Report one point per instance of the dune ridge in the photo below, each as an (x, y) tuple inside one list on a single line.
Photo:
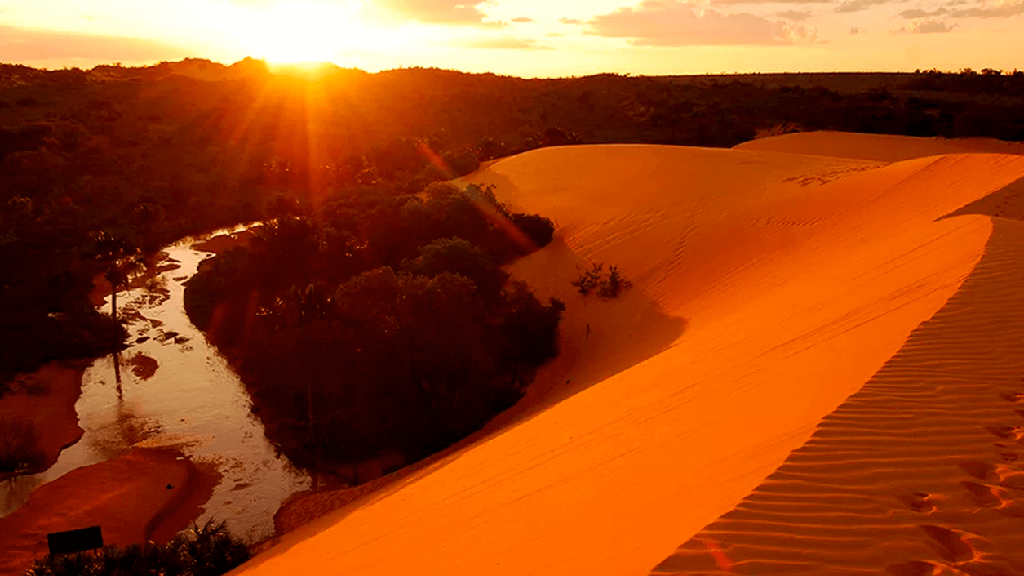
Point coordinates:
[(878, 147), (919, 472), (777, 285)]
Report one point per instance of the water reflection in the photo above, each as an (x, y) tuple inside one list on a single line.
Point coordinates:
[(172, 388)]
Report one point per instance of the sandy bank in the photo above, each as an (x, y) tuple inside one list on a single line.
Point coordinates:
[(46, 399), (768, 288), (146, 494), (224, 242)]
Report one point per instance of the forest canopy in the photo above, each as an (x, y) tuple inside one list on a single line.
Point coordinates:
[(380, 324), (149, 155)]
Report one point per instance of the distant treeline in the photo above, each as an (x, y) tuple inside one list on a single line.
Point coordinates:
[(382, 323), (147, 155)]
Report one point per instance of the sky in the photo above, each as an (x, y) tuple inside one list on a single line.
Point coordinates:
[(528, 38)]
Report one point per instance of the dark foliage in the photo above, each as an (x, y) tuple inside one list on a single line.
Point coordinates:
[(208, 550), (156, 153), (589, 280), (18, 445), (460, 257), (614, 284), (538, 229), (381, 323), (606, 285)]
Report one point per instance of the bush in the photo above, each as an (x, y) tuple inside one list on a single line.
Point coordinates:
[(538, 229), (614, 284), (208, 550), (589, 280), (18, 448), (608, 285)]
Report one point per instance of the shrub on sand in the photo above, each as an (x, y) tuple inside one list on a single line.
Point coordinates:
[(608, 285), (614, 284)]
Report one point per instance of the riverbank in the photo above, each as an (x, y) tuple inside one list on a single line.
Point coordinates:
[(223, 242), (148, 494), (45, 401)]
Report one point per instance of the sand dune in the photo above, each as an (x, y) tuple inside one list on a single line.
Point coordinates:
[(769, 287), (878, 147), (919, 471)]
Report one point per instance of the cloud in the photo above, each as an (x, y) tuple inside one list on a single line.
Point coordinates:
[(926, 27), (570, 21), (793, 15), (453, 12), (523, 20), (26, 45), (849, 6), (920, 13), (505, 44), (675, 23), (991, 10)]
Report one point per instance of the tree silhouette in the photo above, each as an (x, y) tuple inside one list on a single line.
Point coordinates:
[(120, 259)]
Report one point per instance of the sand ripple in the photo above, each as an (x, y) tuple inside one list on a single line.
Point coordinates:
[(920, 472)]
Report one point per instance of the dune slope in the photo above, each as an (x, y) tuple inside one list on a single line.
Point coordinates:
[(768, 288), (878, 147), (917, 473)]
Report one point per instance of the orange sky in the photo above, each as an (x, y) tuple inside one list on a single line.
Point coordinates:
[(525, 37)]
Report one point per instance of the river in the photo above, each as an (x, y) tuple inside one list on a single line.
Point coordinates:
[(171, 387)]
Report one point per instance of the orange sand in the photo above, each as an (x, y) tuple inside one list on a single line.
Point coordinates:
[(128, 498), (918, 472), (47, 399), (769, 287), (882, 147)]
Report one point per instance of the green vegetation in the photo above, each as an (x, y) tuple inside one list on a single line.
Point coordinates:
[(208, 550), (18, 445), (606, 284), (149, 155), (380, 323)]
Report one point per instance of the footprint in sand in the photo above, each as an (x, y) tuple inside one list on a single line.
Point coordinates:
[(1014, 433), (922, 502), (1015, 397), (916, 568), (980, 470), (1001, 474), (984, 495), (952, 545), (990, 496)]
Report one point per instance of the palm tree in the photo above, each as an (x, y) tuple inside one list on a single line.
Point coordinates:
[(121, 259)]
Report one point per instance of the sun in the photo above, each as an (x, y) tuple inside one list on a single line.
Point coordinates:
[(291, 33)]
